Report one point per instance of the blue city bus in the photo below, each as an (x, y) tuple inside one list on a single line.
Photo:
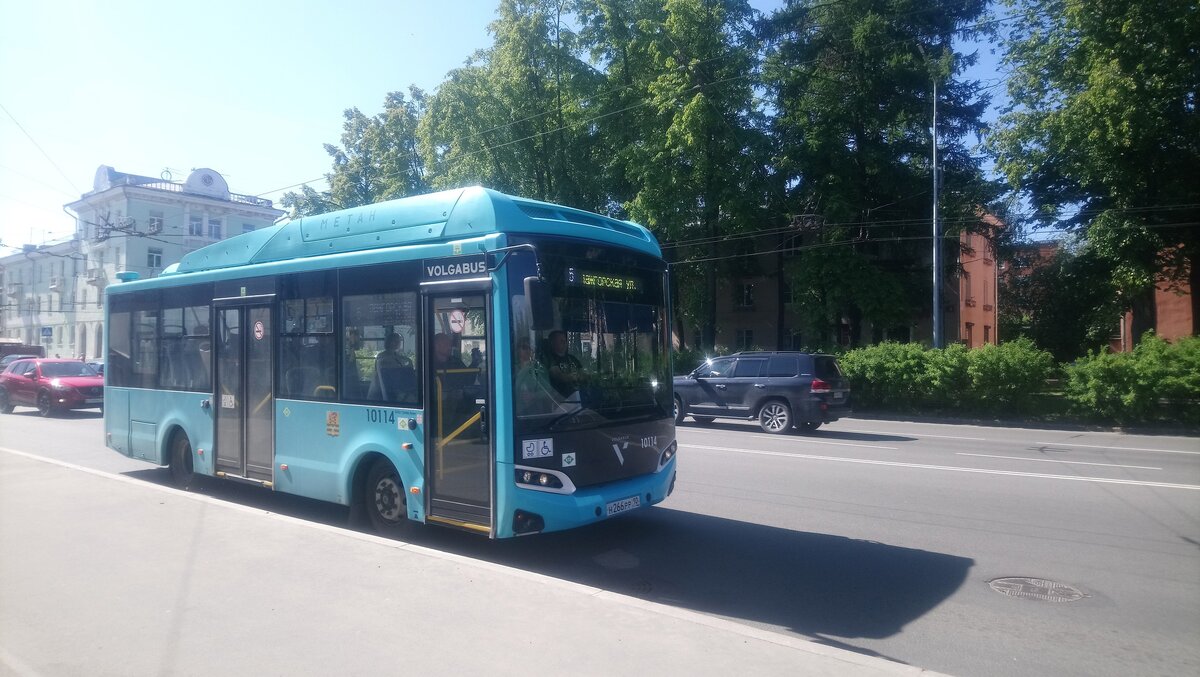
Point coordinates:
[(465, 358)]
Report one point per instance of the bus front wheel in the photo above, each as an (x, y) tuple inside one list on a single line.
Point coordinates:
[(384, 499)]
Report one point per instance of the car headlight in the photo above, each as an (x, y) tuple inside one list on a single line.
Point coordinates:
[(59, 385)]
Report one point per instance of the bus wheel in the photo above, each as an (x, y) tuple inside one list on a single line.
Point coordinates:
[(384, 499), (182, 472), (679, 411)]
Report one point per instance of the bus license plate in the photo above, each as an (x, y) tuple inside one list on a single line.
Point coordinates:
[(623, 505)]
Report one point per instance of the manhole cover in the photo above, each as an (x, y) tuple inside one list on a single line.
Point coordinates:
[(1036, 588)]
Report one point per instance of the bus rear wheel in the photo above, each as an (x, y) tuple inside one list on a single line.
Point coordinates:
[(384, 499), (183, 473)]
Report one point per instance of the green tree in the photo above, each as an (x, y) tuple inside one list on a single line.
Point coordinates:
[(514, 118), (1103, 136), (1066, 304), (852, 84), (377, 159), (679, 113)]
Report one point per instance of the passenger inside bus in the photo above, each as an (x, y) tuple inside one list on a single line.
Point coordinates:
[(395, 379)]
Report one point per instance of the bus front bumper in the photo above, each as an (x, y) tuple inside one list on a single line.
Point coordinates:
[(532, 511)]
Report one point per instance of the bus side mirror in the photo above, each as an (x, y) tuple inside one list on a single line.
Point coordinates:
[(541, 305)]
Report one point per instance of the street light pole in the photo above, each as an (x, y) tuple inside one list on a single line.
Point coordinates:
[(937, 236)]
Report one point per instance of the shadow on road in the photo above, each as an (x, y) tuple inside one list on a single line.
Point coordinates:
[(816, 585)]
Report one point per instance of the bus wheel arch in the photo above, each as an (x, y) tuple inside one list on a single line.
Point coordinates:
[(180, 459)]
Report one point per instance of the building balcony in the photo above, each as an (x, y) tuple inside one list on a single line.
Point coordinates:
[(14, 289), (969, 302), (57, 284), (988, 307), (95, 276)]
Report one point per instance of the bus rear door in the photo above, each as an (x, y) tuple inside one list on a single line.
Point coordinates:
[(244, 391)]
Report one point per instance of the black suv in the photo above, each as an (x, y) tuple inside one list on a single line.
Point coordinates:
[(781, 389)]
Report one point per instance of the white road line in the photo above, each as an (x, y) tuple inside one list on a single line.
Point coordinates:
[(1011, 473), (891, 432), (807, 440), (1059, 460), (1105, 446)]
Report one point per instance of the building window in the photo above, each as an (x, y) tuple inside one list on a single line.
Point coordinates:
[(247, 227), (788, 295), (154, 259), (744, 297), (987, 333), (155, 223), (214, 229), (970, 330), (744, 339), (791, 246), (196, 226), (793, 339)]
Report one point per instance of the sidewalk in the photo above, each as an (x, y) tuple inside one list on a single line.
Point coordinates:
[(105, 575)]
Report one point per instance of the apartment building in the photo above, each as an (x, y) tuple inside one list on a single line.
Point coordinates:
[(53, 293)]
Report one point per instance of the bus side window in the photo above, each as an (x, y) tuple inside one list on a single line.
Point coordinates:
[(379, 346)]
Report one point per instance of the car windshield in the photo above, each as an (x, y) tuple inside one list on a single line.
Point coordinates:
[(62, 369)]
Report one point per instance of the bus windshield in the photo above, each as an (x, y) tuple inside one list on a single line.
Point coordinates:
[(597, 354)]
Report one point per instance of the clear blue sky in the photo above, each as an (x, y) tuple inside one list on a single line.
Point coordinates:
[(250, 89)]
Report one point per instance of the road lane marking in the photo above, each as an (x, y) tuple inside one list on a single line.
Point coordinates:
[(814, 441), (890, 432), (1056, 460), (1105, 446), (922, 466)]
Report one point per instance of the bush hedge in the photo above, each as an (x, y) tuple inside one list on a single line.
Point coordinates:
[(1158, 381), (992, 380)]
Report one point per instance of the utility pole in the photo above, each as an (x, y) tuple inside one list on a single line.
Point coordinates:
[(937, 235)]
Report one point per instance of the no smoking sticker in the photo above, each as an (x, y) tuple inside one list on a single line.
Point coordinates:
[(259, 331), (458, 319)]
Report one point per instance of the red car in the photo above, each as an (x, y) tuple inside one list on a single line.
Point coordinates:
[(50, 385)]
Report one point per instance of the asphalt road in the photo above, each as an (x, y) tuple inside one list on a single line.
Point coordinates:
[(883, 537)]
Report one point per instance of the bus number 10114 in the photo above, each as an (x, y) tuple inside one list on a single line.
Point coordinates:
[(381, 416)]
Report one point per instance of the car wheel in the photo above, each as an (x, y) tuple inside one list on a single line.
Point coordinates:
[(6, 406), (183, 473), (679, 411), (775, 417), (384, 499), (810, 426), (43, 405), (702, 420)]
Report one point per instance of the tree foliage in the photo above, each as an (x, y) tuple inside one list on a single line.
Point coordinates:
[(1103, 133), (852, 84)]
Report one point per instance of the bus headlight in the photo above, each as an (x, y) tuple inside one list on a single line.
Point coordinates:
[(539, 479)]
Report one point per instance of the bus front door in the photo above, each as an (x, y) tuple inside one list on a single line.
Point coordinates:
[(459, 451), (244, 393)]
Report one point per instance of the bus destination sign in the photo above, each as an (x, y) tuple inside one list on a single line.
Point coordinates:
[(582, 278)]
